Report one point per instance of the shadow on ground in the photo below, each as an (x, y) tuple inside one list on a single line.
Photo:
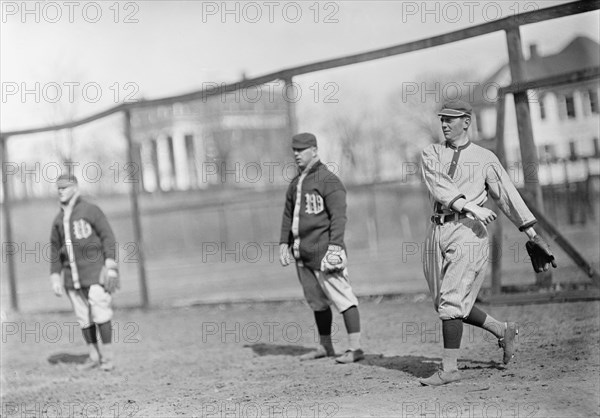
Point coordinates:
[(466, 364), (417, 366), (67, 358), (263, 349)]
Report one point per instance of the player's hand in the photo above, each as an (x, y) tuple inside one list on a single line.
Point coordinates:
[(109, 278), (482, 214), (334, 260), (57, 284), (285, 257), (541, 255)]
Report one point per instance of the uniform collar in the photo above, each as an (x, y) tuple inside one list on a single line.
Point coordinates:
[(74, 200), (460, 148), (312, 164)]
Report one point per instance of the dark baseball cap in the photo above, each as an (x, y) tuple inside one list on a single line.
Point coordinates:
[(66, 180), (456, 109), (304, 140)]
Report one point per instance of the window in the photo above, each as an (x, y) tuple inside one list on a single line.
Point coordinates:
[(572, 150), (570, 106), (593, 96), (542, 108), (549, 153), (596, 147)]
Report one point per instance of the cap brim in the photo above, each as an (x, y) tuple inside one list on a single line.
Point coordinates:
[(452, 113), (65, 183)]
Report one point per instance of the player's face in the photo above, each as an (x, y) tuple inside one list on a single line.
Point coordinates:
[(454, 128), (304, 156), (65, 193)]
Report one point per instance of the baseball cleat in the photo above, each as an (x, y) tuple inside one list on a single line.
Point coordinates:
[(316, 354), (350, 356), (441, 378), (507, 343), (107, 365), (89, 364)]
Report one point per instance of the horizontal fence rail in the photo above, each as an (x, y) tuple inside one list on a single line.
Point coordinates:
[(506, 23)]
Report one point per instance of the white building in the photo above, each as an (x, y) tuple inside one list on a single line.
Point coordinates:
[(564, 118)]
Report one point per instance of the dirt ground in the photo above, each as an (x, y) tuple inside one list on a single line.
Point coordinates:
[(241, 360)]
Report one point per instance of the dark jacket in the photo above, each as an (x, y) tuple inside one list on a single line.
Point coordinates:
[(93, 242), (322, 214)]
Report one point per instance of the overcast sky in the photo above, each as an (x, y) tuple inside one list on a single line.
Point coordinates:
[(163, 48)]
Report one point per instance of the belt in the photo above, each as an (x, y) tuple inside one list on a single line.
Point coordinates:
[(441, 219)]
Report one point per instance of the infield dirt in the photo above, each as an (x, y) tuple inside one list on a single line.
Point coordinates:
[(241, 360)]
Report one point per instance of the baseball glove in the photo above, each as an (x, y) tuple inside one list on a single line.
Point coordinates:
[(334, 260), (109, 277), (540, 254)]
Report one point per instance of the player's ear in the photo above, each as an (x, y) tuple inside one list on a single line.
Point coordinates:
[(466, 122)]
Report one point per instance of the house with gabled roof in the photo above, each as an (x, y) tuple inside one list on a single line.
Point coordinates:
[(565, 118)]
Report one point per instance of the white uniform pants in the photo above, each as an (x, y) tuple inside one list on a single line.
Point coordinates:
[(95, 308), (454, 258)]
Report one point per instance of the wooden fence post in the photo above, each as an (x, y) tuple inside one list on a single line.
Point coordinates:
[(137, 224), (7, 225)]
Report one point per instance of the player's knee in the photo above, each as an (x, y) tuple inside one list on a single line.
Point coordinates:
[(318, 305), (348, 308)]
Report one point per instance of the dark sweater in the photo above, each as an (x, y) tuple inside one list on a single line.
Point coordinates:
[(93, 242), (322, 214)]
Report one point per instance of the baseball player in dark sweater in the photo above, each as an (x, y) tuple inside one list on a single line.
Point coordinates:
[(312, 234), (83, 264)]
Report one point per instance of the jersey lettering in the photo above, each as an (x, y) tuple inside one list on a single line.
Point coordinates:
[(82, 229), (314, 203)]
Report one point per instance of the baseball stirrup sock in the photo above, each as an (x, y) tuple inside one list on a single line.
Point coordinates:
[(494, 326), (324, 320), (325, 341), (352, 320), (105, 332), (476, 317), (89, 334), (480, 319), (452, 330)]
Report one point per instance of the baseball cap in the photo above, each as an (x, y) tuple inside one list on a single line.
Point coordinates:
[(66, 180), (304, 140), (455, 109)]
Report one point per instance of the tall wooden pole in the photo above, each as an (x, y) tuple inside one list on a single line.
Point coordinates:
[(7, 226), (529, 155), (496, 247), (137, 224), (290, 99)]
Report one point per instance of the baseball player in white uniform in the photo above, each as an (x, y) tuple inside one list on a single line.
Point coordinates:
[(460, 176)]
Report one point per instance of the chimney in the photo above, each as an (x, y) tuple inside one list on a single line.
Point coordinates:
[(533, 52)]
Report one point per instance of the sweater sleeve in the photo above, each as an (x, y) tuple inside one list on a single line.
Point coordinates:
[(286, 223), (440, 184), (55, 246), (335, 202), (105, 233), (506, 195)]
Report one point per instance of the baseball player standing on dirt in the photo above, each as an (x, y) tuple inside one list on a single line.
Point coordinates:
[(460, 175), (312, 234), (83, 264)]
